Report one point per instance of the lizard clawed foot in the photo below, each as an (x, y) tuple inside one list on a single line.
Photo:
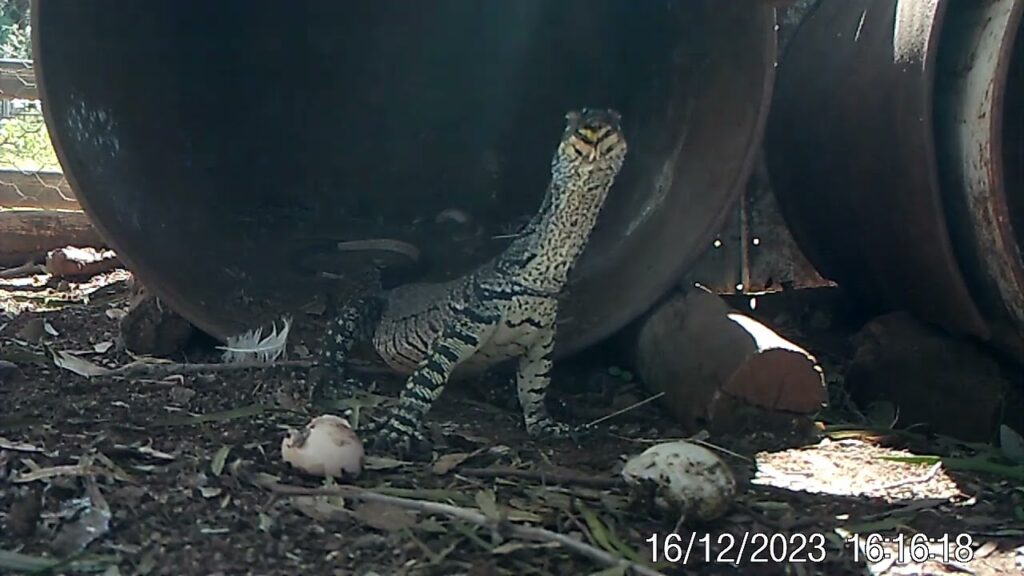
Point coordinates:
[(549, 428), (395, 438)]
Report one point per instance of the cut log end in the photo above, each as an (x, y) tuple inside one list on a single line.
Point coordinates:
[(710, 361)]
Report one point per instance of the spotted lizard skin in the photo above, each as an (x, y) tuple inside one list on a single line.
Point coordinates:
[(504, 310)]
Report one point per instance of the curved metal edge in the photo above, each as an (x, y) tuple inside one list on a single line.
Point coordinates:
[(852, 157), (620, 316), (917, 40), (35, 10), (753, 147), (979, 60), (182, 306)]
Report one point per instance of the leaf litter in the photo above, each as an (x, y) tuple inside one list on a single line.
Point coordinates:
[(176, 478)]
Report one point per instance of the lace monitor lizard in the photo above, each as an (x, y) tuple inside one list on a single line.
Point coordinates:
[(503, 310)]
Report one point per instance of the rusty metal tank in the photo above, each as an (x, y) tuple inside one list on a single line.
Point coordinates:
[(226, 148), (894, 147)]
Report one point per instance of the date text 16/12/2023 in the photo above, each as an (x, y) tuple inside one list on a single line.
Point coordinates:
[(726, 548), (760, 548)]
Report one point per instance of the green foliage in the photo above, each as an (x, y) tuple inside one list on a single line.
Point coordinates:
[(24, 141), (25, 144), (15, 36)]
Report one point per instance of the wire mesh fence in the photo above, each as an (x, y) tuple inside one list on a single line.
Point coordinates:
[(30, 175)]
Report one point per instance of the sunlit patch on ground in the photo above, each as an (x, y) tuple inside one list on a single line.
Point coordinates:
[(187, 443), (855, 468), (914, 487)]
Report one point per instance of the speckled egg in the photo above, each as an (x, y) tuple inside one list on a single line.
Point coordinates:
[(682, 478)]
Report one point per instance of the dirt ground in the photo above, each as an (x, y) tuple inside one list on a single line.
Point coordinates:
[(173, 459)]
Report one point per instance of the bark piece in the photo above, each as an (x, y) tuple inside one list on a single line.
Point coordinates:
[(70, 262), (712, 361)]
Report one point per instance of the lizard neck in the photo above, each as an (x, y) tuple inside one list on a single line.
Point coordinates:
[(559, 232)]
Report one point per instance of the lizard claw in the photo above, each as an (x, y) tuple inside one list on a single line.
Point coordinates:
[(550, 428)]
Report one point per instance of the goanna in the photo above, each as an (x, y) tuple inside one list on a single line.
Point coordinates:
[(503, 310)]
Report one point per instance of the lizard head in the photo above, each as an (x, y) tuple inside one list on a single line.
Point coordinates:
[(592, 138)]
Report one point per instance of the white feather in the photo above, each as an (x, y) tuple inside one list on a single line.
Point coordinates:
[(252, 346)]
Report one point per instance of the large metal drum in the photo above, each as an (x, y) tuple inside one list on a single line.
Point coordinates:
[(225, 148)]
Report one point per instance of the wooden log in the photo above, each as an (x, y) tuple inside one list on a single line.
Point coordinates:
[(711, 362), (36, 190), (29, 234)]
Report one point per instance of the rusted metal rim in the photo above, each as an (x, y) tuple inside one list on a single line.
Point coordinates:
[(216, 144), (850, 148), (971, 93)]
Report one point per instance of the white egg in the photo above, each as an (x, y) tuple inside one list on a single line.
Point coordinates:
[(682, 478), (327, 446)]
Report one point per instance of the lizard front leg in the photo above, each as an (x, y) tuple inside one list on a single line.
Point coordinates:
[(459, 341), (355, 323), (532, 380)]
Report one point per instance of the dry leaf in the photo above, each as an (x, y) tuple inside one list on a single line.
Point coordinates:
[(986, 549), (449, 462), (382, 463), (210, 491), (321, 508), (217, 465), (516, 545), (488, 504), (33, 330), (153, 453), (102, 347), (49, 329), (266, 522), (384, 517), (78, 365)]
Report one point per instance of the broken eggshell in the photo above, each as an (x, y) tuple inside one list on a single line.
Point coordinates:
[(327, 446), (682, 478)]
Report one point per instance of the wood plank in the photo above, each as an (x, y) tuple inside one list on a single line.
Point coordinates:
[(36, 190), (29, 234), (17, 80)]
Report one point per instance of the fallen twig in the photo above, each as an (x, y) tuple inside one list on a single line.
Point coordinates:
[(543, 476), (472, 516), (168, 368), (626, 409), (933, 471), (30, 269)]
